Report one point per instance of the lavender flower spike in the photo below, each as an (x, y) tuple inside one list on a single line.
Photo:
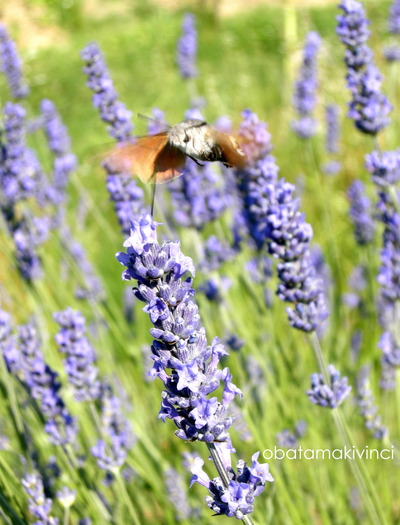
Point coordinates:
[(187, 47), (332, 395), (369, 108), (80, 357), (304, 98), (360, 213), (39, 505), (11, 64), (113, 112), (183, 360)]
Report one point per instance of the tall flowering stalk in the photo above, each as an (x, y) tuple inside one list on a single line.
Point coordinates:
[(11, 64), (369, 108), (123, 190), (188, 366), (304, 98)]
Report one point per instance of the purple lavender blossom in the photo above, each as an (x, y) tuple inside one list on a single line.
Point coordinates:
[(123, 190), (91, 288), (304, 98), (216, 252), (197, 196), (332, 128), (177, 494), (384, 167), (360, 213), (39, 505), (369, 108), (289, 238), (235, 500), (21, 178), (8, 346), (60, 145), (331, 395), (187, 47), (394, 18), (254, 180), (11, 64), (215, 288), (367, 407), (331, 167), (43, 385), (289, 439), (80, 356), (184, 362), (111, 451), (105, 98), (392, 53)]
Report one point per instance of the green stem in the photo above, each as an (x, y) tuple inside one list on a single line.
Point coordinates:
[(133, 517)]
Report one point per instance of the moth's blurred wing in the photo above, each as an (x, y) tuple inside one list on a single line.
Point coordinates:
[(168, 164), (139, 157), (231, 150)]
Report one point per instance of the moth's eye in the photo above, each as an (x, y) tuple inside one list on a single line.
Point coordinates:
[(186, 138)]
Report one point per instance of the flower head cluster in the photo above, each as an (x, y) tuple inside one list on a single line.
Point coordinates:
[(288, 237), (289, 439), (177, 494), (236, 500), (332, 125), (304, 98), (369, 108), (21, 178), (367, 407), (123, 190), (394, 18), (80, 356), (197, 196), (360, 213), (216, 252), (39, 505), (60, 144), (254, 180), (91, 287), (329, 395), (11, 64), (26, 361), (117, 436), (180, 344), (187, 47), (105, 98), (183, 360)]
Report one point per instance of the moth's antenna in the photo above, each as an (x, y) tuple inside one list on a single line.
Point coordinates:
[(150, 119)]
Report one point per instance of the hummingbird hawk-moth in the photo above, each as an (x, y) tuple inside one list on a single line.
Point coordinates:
[(159, 158)]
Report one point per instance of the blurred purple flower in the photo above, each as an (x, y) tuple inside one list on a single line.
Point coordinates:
[(369, 108), (39, 504), (331, 395), (80, 356), (117, 436), (60, 144), (392, 53), (105, 98), (187, 47), (394, 18), (367, 407), (304, 98), (360, 213), (332, 128), (11, 64)]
